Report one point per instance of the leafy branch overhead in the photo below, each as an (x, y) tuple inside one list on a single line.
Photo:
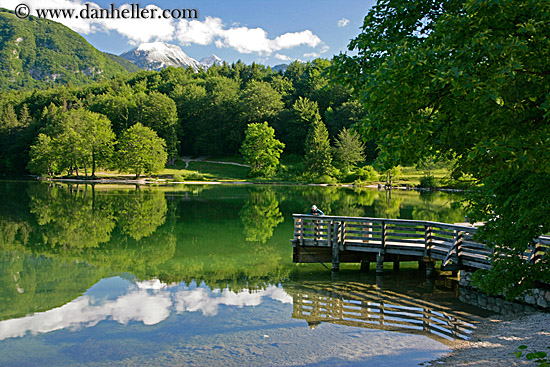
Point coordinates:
[(465, 80)]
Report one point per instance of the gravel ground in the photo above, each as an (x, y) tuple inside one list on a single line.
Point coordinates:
[(496, 338)]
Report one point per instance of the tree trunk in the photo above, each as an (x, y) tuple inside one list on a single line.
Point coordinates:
[(93, 164)]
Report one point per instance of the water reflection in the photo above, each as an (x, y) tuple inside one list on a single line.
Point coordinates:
[(74, 216), (369, 306), (260, 215), (189, 274), (149, 302)]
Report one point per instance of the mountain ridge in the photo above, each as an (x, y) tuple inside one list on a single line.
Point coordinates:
[(40, 53)]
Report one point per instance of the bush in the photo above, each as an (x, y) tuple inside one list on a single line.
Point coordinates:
[(396, 172), (178, 178), (428, 181), (326, 179), (195, 176), (367, 173)]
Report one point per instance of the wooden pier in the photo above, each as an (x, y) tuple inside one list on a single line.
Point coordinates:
[(337, 239)]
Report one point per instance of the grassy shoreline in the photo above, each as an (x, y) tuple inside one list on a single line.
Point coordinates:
[(228, 170)]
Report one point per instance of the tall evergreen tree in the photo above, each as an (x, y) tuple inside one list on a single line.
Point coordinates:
[(318, 158), (349, 149)]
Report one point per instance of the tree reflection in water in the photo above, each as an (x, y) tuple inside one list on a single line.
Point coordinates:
[(260, 215)]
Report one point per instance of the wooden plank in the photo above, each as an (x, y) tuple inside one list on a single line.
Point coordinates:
[(405, 228), (447, 233), (406, 235), (477, 245)]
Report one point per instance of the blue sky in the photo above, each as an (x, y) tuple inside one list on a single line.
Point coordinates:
[(266, 31)]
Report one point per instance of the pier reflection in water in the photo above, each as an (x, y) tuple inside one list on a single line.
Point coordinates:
[(371, 306)]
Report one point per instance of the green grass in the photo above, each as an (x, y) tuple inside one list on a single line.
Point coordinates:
[(209, 171), (411, 176), (206, 171), (216, 171)]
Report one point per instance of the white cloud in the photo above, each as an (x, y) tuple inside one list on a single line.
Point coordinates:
[(283, 57), (209, 31), (312, 54), (242, 39), (141, 30), (343, 22), (136, 30), (201, 33), (289, 40), (315, 54)]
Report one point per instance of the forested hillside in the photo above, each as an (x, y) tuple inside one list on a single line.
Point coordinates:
[(40, 53), (203, 113)]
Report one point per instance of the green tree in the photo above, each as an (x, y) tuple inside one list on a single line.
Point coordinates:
[(43, 156), (140, 150), (159, 112), (294, 128), (97, 138), (349, 149), (77, 138), (318, 158), (466, 80), (261, 150), (260, 101)]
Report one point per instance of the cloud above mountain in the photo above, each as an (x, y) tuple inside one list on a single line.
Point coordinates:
[(209, 31)]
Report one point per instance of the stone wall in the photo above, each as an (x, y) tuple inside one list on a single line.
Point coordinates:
[(536, 299)]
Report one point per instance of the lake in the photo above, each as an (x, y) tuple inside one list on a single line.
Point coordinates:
[(199, 275)]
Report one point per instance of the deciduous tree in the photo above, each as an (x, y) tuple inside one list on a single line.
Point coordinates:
[(261, 150), (140, 150), (466, 80)]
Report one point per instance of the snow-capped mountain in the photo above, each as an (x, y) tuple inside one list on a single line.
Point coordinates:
[(280, 68), (208, 61), (159, 55)]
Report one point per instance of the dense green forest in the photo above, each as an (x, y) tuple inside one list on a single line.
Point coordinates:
[(197, 114)]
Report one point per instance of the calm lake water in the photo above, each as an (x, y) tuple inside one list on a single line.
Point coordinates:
[(202, 275)]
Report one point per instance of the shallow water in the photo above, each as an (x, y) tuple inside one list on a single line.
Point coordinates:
[(203, 275)]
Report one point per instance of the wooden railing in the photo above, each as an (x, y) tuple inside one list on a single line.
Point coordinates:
[(450, 243), (368, 306)]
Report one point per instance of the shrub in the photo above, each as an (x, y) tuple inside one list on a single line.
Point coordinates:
[(428, 181), (195, 176), (367, 173), (325, 179), (178, 178)]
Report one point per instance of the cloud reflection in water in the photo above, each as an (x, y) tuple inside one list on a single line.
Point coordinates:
[(148, 302)]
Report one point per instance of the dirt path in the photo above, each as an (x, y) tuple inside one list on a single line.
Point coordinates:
[(203, 159), (496, 338)]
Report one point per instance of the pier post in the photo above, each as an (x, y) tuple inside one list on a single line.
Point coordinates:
[(382, 252), (396, 263), (336, 247), (365, 266), (380, 262), (430, 268)]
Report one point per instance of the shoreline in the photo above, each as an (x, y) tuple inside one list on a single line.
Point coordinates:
[(150, 181), (496, 338)]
